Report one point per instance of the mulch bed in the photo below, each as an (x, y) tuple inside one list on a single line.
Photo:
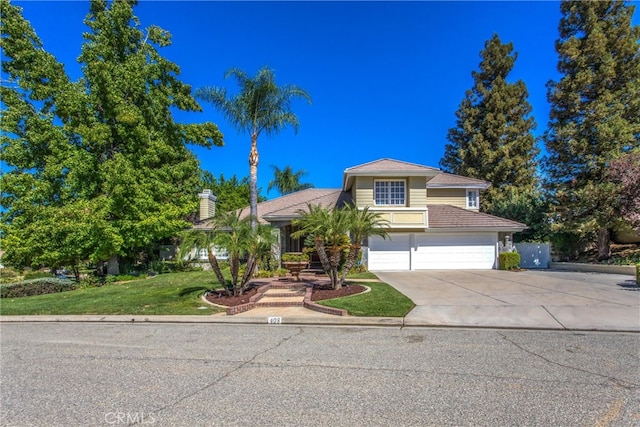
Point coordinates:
[(227, 301), (320, 292), (325, 292)]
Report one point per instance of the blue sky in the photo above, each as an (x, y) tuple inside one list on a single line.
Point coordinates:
[(385, 77)]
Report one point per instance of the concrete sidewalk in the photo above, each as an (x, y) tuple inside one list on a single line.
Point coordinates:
[(475, 298)]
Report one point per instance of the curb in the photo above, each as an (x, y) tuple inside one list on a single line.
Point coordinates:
[(293, 320), (212, 319)]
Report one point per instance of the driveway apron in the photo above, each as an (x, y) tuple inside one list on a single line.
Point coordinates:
[(539, 299)]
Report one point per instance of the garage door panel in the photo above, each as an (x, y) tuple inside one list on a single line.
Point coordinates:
[(424, 251), (468, 251), (390, 254)]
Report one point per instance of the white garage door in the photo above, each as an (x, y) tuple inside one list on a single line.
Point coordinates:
[(390, 254), (467, 251), (428, 251)]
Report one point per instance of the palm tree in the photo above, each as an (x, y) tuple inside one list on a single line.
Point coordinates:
[(260, 106), (287, 181), (362, 224), (193, 241), (241, 241), (336, 231)]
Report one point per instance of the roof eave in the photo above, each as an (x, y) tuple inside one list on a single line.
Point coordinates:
[(468, 228), (347, 180), (480, 186)]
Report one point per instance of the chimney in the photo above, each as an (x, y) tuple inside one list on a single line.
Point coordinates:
[(207, 204)]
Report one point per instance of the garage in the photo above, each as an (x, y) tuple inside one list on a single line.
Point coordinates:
[(446, 252), (390, 254), (428, 251)]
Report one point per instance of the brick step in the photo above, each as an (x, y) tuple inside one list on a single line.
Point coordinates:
[(283, 294), (264, 302)]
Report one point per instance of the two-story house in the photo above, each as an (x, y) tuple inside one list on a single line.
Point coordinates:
[(434, 218)]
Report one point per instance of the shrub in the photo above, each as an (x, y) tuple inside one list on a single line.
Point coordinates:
[(281, 272), (295, 257), (8, 275), (358, 269), (263, 274), (509, 260), (37, 274), (41, 286)]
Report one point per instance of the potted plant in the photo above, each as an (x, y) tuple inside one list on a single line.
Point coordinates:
[(295, 262)]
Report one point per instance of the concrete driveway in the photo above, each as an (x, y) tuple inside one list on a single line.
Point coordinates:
[(529, 299)]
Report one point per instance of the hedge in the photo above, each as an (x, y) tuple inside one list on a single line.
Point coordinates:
[(509, 260), (40, 286)]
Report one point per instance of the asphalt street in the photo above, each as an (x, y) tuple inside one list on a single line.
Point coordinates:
[(101, 374)]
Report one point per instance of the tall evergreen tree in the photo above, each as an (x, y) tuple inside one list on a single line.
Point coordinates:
[(594, 117), (492, 139), (97, 167)]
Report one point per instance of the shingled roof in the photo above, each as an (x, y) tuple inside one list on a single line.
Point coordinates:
[(285, 207), (444, 179), (386, 168), (389, 165), (447, 216)]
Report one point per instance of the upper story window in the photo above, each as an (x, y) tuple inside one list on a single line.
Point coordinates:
[(389, 193), (472, 199)]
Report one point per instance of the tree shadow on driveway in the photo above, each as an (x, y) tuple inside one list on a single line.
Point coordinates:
[(629, 285)]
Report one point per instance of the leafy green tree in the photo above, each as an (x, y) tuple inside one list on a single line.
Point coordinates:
[(527, 205), (335, 231), (624, 171), (594, 117), (106, 145), (287, 181), (260, 106), (493, 137), (231, 193)]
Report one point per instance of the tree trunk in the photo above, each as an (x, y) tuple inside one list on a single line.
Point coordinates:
[(248, 273), (334, 260), (354, 251), (604, 244), (234, 264), (213, 261), (253, 181), (322, 254)]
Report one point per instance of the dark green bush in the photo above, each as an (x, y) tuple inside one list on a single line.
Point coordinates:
[(42, 286), (28, 275), (509, 260)]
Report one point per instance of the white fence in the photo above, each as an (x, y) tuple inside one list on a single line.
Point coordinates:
[(534, 255)]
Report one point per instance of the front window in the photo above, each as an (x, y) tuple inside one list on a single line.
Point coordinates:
[(472, 199), (389, 193)]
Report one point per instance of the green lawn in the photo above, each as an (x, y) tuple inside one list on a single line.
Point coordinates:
[(383, 301), (177, 293), (365, 275)]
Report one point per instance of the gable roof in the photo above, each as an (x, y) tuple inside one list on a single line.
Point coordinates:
[(449, 180), (285, 207), (447, 216), (389, 165), (387, 168)]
